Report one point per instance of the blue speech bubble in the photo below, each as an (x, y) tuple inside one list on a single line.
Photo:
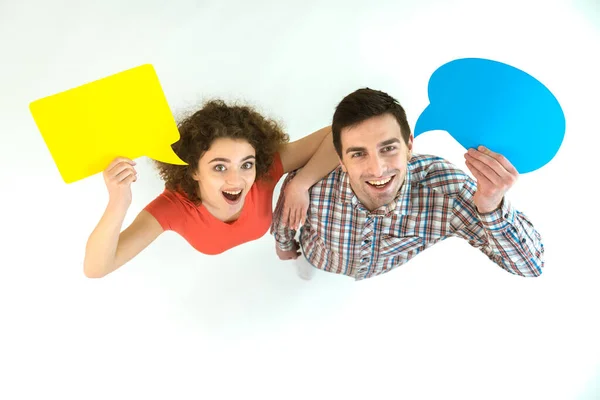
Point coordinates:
[(489, 103)]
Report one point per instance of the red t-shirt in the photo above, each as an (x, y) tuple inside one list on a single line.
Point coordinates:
[(209, 235)]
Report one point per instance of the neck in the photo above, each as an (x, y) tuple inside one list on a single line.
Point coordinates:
[(371, 207), (222, 215)]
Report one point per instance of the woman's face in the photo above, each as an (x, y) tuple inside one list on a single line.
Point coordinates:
[(225, 174)]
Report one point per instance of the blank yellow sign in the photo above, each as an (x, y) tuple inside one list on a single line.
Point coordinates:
[(125, 114)]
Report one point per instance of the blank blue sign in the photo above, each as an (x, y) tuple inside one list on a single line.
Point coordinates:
[(489, 103)]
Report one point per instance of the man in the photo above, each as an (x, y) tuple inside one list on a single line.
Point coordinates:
[(383, 205)]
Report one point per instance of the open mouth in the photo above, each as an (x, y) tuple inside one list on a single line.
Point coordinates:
[(232, 197), (382, 184)]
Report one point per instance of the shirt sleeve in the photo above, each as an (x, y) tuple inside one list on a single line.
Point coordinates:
[(284, 236), (505, 235), (166, 208)]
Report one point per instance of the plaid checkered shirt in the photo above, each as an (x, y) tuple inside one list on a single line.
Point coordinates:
[(435, 202)]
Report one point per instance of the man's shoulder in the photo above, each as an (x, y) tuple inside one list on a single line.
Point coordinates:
[(330, 181), (437, 173)]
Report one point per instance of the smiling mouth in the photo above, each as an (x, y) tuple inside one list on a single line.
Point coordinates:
[(382, 183), (232, 197)]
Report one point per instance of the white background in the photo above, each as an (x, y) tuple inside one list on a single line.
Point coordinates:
[(176, 324)]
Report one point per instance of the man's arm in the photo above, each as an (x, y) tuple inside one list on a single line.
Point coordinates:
[(505, 235)]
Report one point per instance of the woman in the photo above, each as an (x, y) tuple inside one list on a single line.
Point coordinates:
[(222, 198)]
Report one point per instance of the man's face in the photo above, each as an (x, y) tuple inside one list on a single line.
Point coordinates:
[(375, 157)]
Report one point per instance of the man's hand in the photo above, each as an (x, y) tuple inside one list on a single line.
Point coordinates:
[(290, 254), (495, 176), (295, 204)]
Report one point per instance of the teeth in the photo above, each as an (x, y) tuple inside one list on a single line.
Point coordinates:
[(379, 183), (232, 193)]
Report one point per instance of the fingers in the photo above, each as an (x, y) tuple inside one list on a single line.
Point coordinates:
[(295, 252), (286, 214), (300, 213), (495, 167), (119, 160), (497, 162), (293, 217), (290, 255), (120, 169), (296, 219), (303, 215), (129, 179), (292, 221), (501, 160), (488, 160), (493, 164), (121, 172), (481, 178), (483, 168)]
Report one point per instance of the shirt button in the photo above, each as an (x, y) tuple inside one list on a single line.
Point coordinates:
[(366, 241), (523, 240), (506, 215), (364, 260)]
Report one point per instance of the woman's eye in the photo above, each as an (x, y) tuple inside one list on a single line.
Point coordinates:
[(220, 168), (247, 165)]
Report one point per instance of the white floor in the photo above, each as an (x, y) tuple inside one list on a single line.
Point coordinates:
[(175, 324)]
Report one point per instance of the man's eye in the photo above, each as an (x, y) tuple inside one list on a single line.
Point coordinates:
[(357, 154), (388, 148)]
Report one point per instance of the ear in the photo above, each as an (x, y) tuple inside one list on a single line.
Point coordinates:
[(409, 146), (196, 172), (342, 165), (196, 175)]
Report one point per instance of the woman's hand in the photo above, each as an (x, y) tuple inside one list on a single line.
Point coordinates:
[(119, 176), (295, 204)]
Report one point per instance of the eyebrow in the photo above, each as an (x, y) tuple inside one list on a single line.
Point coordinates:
[(382, 144), (227, 160)]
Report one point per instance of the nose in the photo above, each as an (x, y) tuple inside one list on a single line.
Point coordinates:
[(375, 167), (233, 177)]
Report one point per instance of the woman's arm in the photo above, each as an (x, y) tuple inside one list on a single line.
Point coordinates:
[(314, 153), (316, 157), (107, 248)]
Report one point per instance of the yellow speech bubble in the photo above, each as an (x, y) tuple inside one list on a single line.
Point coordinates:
[(125, 114)]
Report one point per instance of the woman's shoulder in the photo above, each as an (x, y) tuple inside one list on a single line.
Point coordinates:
[(276, 168), (170, 198)]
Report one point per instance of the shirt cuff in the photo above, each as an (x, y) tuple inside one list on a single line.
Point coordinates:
[(285, 245), (500, 219)]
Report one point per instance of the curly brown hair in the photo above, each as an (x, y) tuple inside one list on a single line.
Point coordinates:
[(214, 120)]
